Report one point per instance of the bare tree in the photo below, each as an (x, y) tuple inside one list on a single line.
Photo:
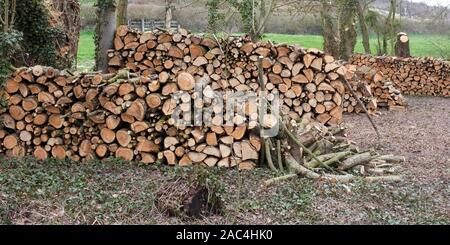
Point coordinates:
[(121, 12), (338, 27), (66, 14), (170, 5), (363, 26), (329, 33), (373, 21), (8, 16), (260, 15), (253, 14), (392, 24), (389, 31), (347, 30), (104, 32)]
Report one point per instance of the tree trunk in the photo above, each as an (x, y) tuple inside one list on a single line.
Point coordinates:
[(379, 43), (5, 21), (264, 15), (66, 14), (392, 26), (402, 45), (389, 26), (104, 32), (330, 39), (168, 17), (9, 12), (256, 21), (121, 12), (364, 31), (347, 32)]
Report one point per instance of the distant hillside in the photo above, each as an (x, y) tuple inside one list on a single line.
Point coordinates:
[(414, 10)]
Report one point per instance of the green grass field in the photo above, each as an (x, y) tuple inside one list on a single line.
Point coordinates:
[(421, 45), (86, 49)]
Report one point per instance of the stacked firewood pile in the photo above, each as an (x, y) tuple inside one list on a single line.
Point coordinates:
[(307, 80), (413, 76), (373, 90), (134, 113), (54, 113)]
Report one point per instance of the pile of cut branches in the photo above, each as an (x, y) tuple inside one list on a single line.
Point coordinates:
[(311, 150)]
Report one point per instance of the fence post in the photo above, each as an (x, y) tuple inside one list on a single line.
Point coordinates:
[(143, 25)]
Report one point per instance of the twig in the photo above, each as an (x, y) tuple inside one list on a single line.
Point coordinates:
[(280, 162), (217, 41), (269, 156), (18, 69), (1, 20), (13, 15), (392, 178), (90, 73), (69, 72), (13, 68), (261, 89), (161, 29), (328, 158), (272, 181)]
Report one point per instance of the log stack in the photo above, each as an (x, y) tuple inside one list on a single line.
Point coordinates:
[(372, 88), (53, 113), (307, 80), (132, 113), (129, 112), (412, 76)]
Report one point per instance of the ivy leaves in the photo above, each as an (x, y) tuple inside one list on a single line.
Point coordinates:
[(40, 39), (215, 17), (248, 12), (9, 44)]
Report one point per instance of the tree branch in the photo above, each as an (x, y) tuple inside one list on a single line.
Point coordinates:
[(347, 84), (1, 20), (6, 15), (13, 15), (184, 6), (266, 17)]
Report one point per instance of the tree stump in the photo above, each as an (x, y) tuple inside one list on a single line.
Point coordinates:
[(187, 198), (402, 45)]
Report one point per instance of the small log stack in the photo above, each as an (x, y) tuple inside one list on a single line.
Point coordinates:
[(412, 76), (372, 89), (307, 80)]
